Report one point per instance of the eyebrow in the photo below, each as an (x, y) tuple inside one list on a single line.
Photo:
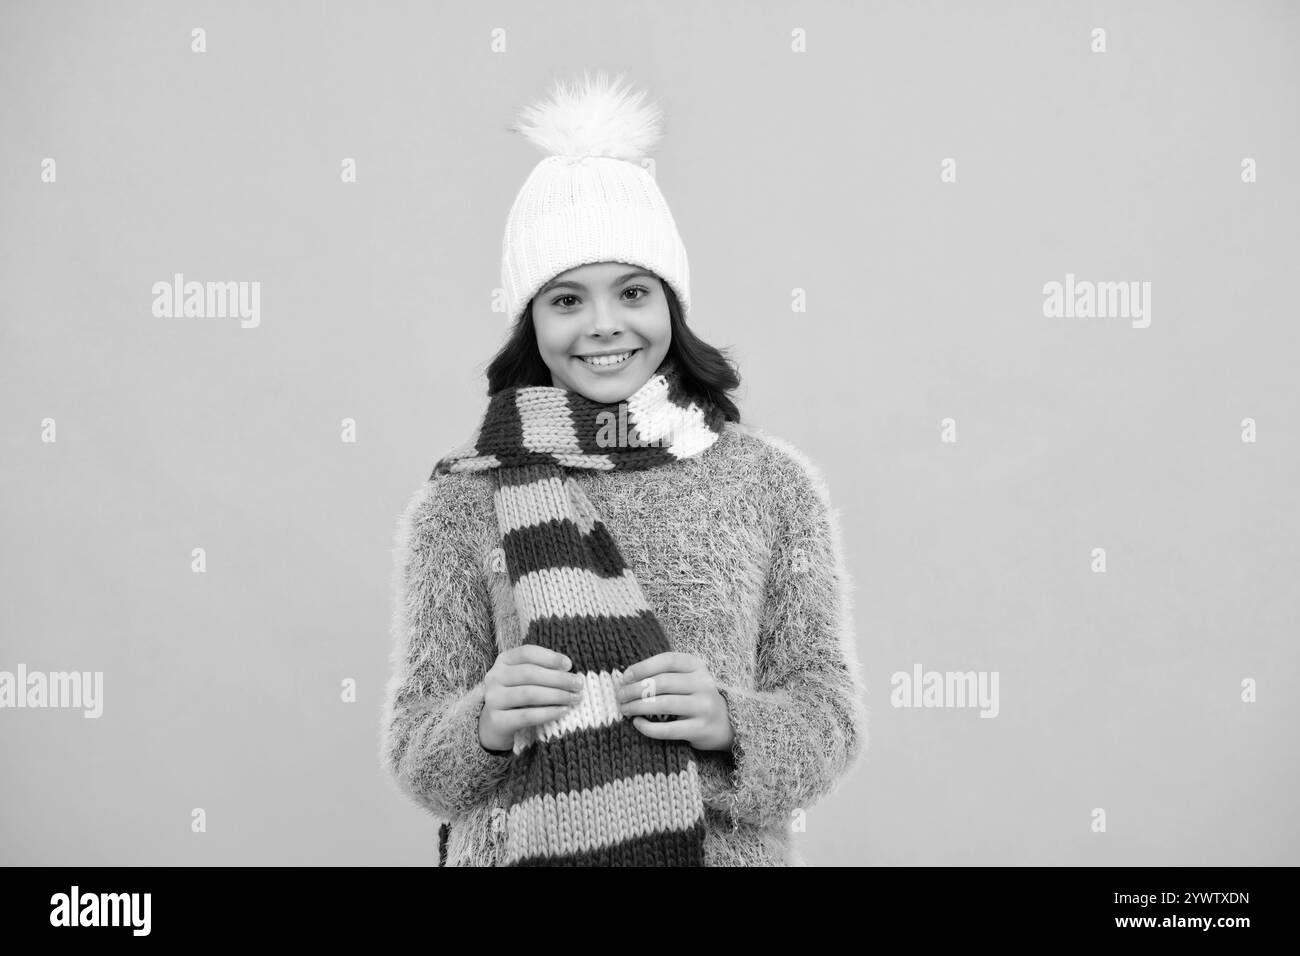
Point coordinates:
[(556, 283)]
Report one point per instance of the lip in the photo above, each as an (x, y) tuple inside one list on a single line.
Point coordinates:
[(608, 369)]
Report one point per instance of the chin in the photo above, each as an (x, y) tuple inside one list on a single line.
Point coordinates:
[(605, 394)]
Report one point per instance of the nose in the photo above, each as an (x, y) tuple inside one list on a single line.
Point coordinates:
[(604, 321)]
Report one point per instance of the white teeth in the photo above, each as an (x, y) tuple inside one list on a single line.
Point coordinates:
[(617, 359)]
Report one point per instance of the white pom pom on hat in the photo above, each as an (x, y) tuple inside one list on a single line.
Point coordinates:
[(590, 199), (598, 118)]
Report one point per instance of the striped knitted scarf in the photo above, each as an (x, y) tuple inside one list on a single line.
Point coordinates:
[(588, 789)]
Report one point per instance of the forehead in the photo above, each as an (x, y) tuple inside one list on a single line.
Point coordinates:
[(596, 272)]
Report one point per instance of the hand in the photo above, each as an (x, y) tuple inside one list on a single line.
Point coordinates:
[(527, 685), (679, 684)]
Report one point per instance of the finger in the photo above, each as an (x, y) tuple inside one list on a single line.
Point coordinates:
[(514, 675), (671, 730), (531, 695), (532, 716), (536, 654), (659, 664), (659, 684), (683, 705)]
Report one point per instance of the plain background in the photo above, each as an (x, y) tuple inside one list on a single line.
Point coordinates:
[(816, 171)]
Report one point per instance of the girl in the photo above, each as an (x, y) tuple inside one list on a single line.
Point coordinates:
[(622, 633)]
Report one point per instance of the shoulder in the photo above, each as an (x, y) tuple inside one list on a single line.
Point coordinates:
[(445, 511), (782, 466)]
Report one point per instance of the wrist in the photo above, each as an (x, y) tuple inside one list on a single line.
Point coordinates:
[(726, 737), (488, 742)]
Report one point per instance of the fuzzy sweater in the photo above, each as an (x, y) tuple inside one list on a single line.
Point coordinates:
[(738, 552)]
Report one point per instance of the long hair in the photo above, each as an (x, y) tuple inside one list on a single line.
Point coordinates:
[(707, 373)]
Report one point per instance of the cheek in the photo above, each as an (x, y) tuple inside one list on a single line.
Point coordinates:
[(550, 339), (656, 329), (661, 335)]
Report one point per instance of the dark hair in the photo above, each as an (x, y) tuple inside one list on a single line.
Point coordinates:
[(707, 372)]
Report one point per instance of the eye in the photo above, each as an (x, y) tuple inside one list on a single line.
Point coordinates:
[(637, 288), (556, 301)]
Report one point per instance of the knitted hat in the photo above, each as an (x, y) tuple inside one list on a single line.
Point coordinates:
[(590, 200)]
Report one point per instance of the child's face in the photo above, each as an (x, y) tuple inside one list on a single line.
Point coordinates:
[(597, 308)]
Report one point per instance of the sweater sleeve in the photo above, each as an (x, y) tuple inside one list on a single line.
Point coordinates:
[(443, 646), (804, 721)]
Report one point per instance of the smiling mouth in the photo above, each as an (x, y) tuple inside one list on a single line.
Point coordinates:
[(616, 360)]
